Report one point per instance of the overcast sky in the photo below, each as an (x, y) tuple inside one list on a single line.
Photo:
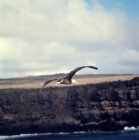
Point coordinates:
[(39, 37)]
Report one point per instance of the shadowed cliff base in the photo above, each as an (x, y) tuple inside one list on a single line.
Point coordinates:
[(108, 106)]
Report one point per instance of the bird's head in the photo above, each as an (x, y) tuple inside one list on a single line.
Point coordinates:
[(74, 81)]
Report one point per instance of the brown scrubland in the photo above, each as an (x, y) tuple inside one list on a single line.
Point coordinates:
[(38, 81)]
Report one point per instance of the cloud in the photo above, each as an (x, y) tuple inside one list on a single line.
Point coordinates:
[(66, 21), (46, 37)]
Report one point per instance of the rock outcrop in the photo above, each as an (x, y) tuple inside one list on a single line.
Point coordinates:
[(94, 107)]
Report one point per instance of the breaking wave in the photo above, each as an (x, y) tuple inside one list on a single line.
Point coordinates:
[(35, 135), (131, 128), (22, 136), (28, 136)]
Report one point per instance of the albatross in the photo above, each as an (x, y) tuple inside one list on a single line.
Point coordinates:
[(68, 79)]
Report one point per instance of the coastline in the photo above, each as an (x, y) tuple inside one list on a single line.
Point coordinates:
[(108, 106), (20, 136)]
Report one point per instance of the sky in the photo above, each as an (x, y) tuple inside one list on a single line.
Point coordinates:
[(41, 37)]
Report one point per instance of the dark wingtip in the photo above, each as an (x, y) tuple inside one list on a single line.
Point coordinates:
[(94, 67)]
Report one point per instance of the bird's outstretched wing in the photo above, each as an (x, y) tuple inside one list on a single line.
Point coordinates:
[(47, 82), (69, 76)]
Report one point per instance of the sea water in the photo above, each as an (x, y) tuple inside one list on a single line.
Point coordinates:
[(131, 133)]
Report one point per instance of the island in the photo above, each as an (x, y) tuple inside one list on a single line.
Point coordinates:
[(106, 106)]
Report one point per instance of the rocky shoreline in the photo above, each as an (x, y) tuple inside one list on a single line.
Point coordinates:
[(108, 106)]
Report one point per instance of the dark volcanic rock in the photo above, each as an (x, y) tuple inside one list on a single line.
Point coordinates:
[(94, 107)]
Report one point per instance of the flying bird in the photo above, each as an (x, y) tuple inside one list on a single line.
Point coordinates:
[(68, 79)]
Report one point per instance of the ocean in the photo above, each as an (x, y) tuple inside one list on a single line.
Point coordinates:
[(126, 134)]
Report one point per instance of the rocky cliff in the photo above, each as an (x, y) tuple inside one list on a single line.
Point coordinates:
[(94, 107)]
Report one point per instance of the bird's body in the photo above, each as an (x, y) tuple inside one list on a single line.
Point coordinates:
[(68, 79)]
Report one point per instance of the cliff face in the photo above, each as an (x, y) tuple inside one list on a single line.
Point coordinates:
[(93, 107)]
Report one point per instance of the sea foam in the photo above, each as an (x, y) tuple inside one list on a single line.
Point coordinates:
[(21, 136), (35, 135), (131, 128), (61, 133)]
